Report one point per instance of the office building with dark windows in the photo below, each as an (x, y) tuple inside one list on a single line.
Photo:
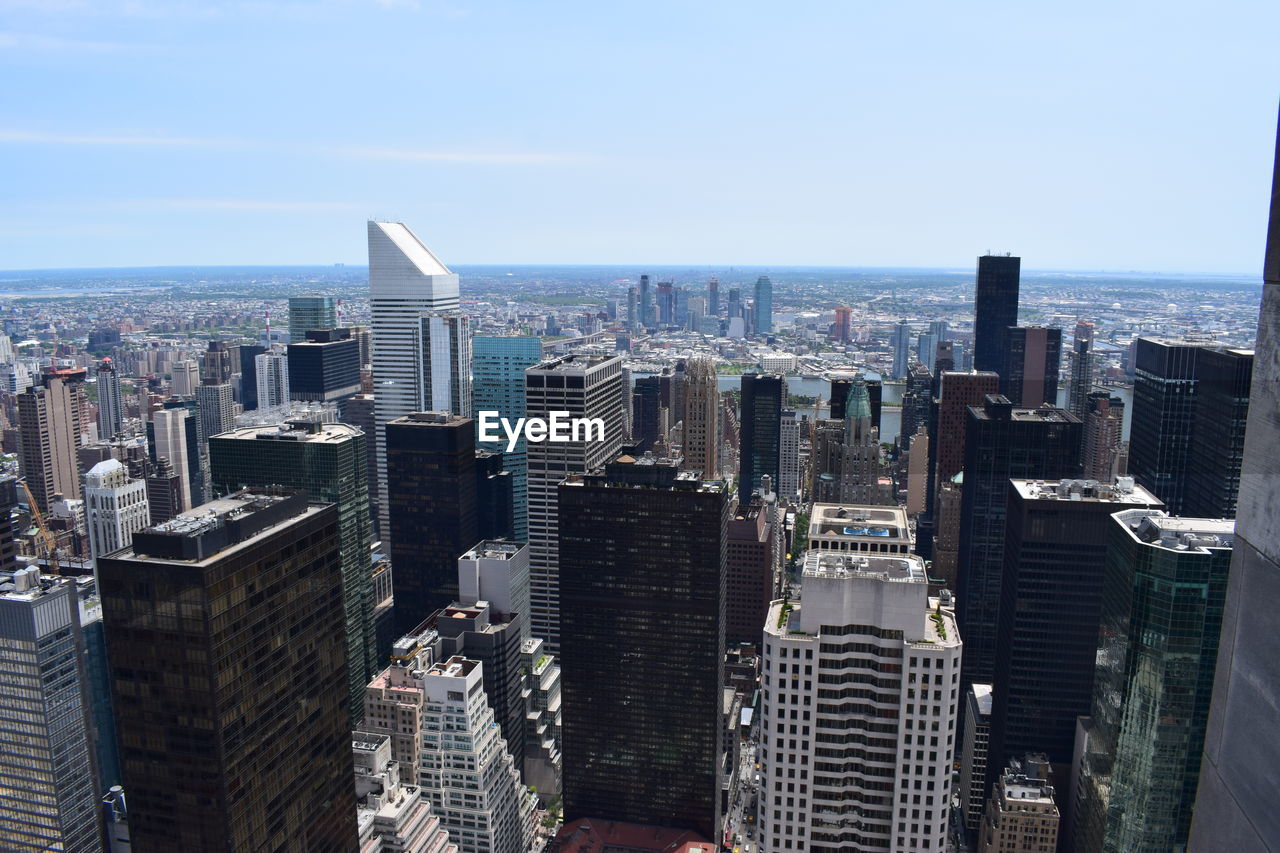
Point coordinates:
[(1162, 611), (763, 398), (431, 475), (995, 309), (642, 610), (1032, 364), (324, 367), (226, 638), (1001, 442), (1055, 552), (1186, 442), (328, 462)]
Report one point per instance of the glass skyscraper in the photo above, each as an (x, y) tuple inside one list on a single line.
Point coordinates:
[(498, 365), (311, 313), (1162, 608), (764, 306), (328, 461)]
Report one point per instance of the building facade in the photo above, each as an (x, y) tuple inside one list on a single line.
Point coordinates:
[(115, 507), (498, 366), (328, 461), (642, 549), (875, 663), (995, 309), (240, 602)]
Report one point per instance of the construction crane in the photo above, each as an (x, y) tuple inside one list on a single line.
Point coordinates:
[(50, 544)]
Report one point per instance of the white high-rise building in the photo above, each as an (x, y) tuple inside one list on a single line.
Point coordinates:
[(273, 379), (581, 387), (406, 281), (115, 507), (445, 363), (861, 687), (789, 457), (465, 768), (170, 434), (217, 407)]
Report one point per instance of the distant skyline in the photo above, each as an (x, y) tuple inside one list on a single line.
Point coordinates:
[(137, 133)]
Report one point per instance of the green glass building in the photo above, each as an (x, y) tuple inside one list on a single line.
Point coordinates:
[(497, 368), (328, 461), (1163, 596)]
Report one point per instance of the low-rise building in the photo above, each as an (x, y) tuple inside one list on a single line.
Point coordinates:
[(1022, 816)]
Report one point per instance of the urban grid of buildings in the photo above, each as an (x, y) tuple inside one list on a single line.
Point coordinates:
[(792, 577)]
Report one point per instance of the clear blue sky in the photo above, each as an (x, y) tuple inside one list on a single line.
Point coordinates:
[(1079, 135)]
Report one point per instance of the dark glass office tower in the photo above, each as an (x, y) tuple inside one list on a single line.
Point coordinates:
[(249, 375), (229, 679), (1222, 407), (1001, 442), (431, 492), (1162, 605), (995, 309), (642, 610), (763, 396), (646, 402), (1051, 596), (328, 462), (1173, 435), (646, 302), (324, 367), (1032, 364)]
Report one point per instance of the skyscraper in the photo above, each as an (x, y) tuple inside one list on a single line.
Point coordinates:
[(995, 309), (248, 376), (110, 401), (485, 809), (240, 603), (764, 306), (642, 548), (498, 365), (216, 407), (702, 417), (752, 569), (815, 793), (431, 472), (48, 435), (843, 332), (713, 297), (1032, 361), (1081, 370), (446, 363), (170, 433), (901, 349), (272, 380), (405, 281), (46, 759), (583, 387), (1050, 602), (325, 367), (1022, 816), (311, 313), (328, 462), (1233, 808), (1162, 608), (788, 486), (1000, 442), (218, 363), (186, 376), (646, 303), (1103, 428), (646, 412), (1190, 402), (115, 507), (760, 446)]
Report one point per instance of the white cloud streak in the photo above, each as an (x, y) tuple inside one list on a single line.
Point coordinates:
[(429, 156), (44, 138)]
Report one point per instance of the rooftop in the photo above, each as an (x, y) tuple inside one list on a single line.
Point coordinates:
[(575, 363), (294, 430), (853, 520), (412, 248), (1123, 491), (904, 568), (1154, 527), (430, 419), (494, 549)]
